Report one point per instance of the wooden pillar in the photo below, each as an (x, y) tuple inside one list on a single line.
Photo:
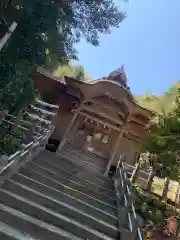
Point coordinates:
[(64, 139), (114, 152), (121, 134)]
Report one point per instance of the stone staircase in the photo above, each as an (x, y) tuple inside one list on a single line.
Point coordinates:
[(44, 195), (84, 157), (54, 198)]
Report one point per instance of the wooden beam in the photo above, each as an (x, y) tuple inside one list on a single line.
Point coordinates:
[(64, 139), (98, 120), (110, 101), (103, 115), (105, 120), (133, 138), (109, 107), (114, 152), (137, 121), (136, 131)]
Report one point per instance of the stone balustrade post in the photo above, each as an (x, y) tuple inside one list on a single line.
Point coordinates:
[(135, 173)]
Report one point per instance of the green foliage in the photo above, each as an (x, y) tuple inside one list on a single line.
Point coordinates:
[(46, 34), (11, 140), (71, 71), (160, 104), (152, 209), (164, 143)]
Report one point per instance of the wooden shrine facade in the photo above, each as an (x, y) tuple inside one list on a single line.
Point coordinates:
[(101, 116)]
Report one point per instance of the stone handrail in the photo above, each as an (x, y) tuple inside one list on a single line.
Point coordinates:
[(38, 132), (47, 104), (131, 168), (129, 221), (8, 34), (12, 163)]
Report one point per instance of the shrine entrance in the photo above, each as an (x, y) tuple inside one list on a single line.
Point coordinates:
[(99, 117), (94, 137)]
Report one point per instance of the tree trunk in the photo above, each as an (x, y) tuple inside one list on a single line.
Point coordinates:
[(165, 189)]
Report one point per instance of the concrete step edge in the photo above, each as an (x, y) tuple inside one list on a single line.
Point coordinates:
[(66, 162), (14, 233), (75, 184), (38, 222), (63, 204), (65, 194), (94, 160), (83, 162), (65, 186), (72, 181), (64, 170), (58, 215)]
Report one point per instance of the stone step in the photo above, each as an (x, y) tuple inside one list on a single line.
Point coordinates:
[(83, 151), (16, 222), (86, 207), (91, 161), (64, 176), (94, 159), (70, 165), (83, 175), (67, 182), (9, 233), (83, 161), (55, 189), (6, 237), (43, 213), (62, 207), (68, 160)]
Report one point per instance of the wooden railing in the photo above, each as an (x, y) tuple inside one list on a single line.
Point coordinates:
[(129, 221)]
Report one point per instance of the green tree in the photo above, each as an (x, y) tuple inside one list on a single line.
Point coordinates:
[(75, 71), (160, 103), (46, 33), (164, 145)]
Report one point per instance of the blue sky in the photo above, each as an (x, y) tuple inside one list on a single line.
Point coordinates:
[(147, 43)]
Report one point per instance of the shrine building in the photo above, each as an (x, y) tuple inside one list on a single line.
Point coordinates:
[(99, 116)]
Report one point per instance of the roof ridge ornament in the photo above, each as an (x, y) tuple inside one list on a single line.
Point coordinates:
[(119, 76)]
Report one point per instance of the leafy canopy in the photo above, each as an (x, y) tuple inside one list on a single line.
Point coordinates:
[(160, 103), (75, 71), (164, 143), (46, 33)]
